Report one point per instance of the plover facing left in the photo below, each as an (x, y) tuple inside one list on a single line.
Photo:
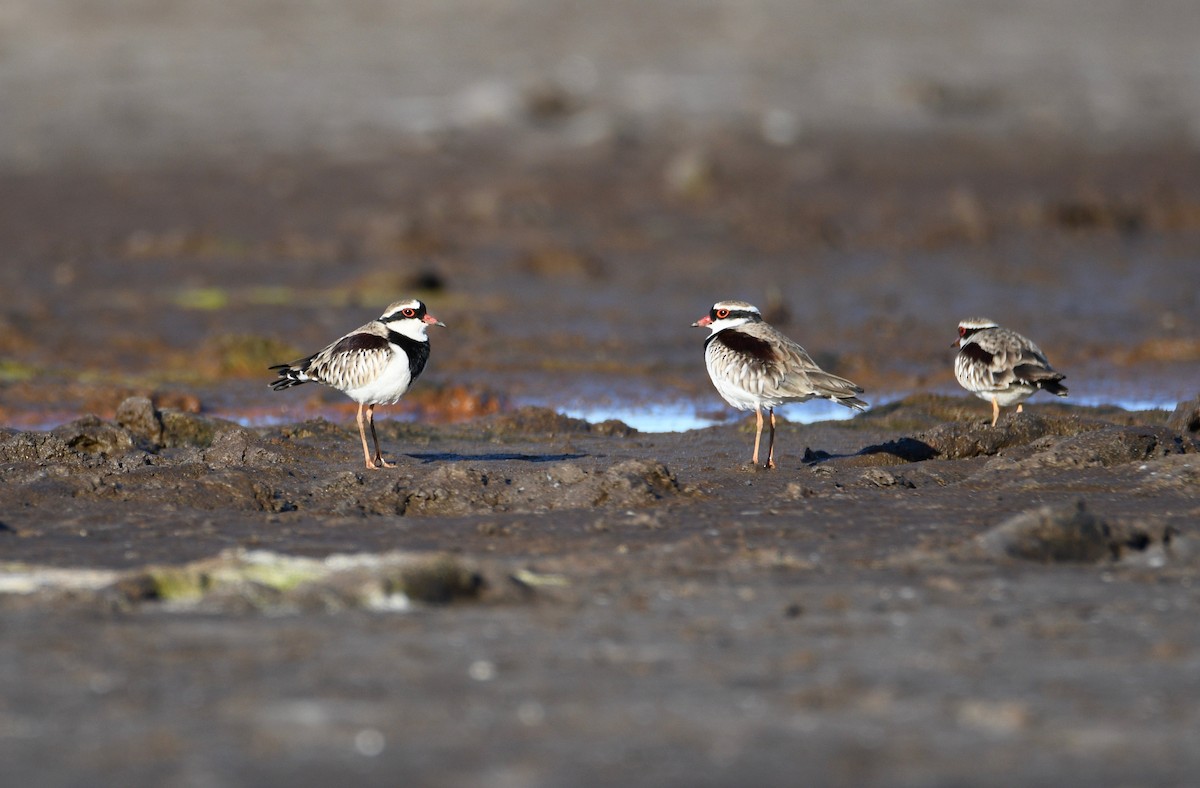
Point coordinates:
[(1001, 366), (754, 366), (373, 365)]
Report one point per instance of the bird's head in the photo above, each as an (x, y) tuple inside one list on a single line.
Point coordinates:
[(728, 314), (410, 318), (969, 326)]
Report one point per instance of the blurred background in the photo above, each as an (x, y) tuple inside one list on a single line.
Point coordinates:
[(192, 191)]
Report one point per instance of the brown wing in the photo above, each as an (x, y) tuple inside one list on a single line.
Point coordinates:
[(789, 372), (1011, 358)]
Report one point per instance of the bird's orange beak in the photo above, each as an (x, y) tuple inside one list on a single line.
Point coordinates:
[(704, 321), (433, 321)]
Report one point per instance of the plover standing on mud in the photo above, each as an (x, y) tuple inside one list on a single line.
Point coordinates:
[(1001, 366), (754, 366), (373, 365)]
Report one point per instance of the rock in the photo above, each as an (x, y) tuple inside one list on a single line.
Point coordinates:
[(636, 481), (239, 446), (960, 440), (1186, 417), (1109, 447), (1050, 534), (1070, 533), (612, 428), (139, 417), (439, 580), (32, 447), (458, 488), (190, 429), (91, 435), (533, 420), (881, 478)]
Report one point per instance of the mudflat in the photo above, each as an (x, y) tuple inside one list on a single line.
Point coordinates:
[(202, 584)]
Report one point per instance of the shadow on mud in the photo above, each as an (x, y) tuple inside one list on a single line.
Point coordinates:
[(429, 457)]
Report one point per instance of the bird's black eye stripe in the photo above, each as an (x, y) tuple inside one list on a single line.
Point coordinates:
[(724, 314), (407, 312)]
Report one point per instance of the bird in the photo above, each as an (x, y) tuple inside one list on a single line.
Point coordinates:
[(754, 366), (1001, 366), (373, 365)]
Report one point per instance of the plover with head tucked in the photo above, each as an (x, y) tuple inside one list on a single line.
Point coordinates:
[(1001, 366), (373, 365), (754, 366)]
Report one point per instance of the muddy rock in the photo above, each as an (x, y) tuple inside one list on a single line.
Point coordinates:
[(458, 488), (961, 440), (92, 435), (139, 416), (921, 412), (190, 429), (239, 446), (1072, 533), (1109, 447), (1186, 417), (636, 482), (879, 477), (32, 447), (543, 421), (1051, 534)]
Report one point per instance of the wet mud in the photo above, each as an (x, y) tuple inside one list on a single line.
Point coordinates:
[(200, 583), (527, 594)]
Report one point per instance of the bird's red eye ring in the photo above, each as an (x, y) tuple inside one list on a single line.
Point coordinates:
[(408, 312), (722, 314)]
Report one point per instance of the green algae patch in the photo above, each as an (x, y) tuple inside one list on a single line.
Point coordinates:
[(247, 581), (206, 299), (192, 582)]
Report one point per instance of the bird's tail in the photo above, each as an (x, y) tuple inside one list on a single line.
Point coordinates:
[(854, 403), (1044, 378), (838, 390), (1054, 387), (289, 375)]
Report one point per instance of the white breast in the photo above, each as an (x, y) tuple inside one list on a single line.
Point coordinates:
[(386, 387)]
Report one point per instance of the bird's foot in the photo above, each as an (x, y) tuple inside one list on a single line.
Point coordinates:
[(382, 463)]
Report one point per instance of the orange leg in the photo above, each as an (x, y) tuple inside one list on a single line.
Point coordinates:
[(1021, 408), (362, 433), (379, 461), (995, 411), (757, 435), (771, 443)]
